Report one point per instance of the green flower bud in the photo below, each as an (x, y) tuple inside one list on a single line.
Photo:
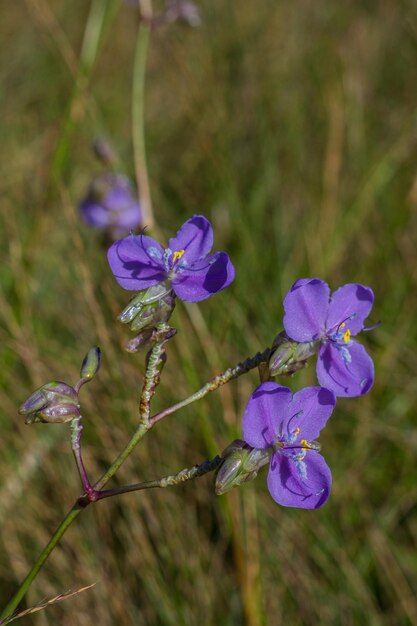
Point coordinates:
[(90, 364), (290, 356), (55, 402), (149, 307), (241, 464)]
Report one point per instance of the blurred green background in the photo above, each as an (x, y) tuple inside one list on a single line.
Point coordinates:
[(293, 127)]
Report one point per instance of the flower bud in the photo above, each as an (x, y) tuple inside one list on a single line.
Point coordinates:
[(149, 336), (55, 402), (141, 340), (241, 464), (103, 151), (90, 364), (290, 356), (183, 11), (149, 307)]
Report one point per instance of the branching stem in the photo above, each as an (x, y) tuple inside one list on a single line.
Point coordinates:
[(187, 474)]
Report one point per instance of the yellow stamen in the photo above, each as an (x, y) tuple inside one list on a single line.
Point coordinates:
[(297, 431), (346, 336), (342, 325), (305, 444), (177, 255)]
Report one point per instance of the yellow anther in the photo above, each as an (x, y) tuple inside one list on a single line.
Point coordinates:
[(297, 431), (346, 336), (305, 444), (342, 325), (177, 255)]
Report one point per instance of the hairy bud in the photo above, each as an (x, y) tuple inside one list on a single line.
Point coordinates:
[(241, 464), (149, 307), (288, 356)]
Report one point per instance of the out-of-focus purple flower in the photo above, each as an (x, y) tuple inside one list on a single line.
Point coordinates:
[(139, 262), (110, 204), (312, 314), (288, 424), (182, 11)]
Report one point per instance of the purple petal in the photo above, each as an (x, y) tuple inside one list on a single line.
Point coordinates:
[(94, 214), (349, 301), (289, 488), (264, 414), (204, 278), (306, 305), (195, 237), (137, 262), (343, 378), (128, 219), (309, 411)]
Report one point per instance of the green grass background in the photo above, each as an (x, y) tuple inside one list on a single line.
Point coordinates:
[(293, 127)]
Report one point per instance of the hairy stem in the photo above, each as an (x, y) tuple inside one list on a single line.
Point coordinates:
[(188, 473), (215, 383)]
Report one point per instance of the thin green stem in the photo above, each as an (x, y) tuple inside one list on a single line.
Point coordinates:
[(138, 115), (89, 49), (188, 473), (19, 595), (134, 440), (215, 383)]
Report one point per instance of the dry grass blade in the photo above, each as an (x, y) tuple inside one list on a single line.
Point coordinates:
[(46, 603)]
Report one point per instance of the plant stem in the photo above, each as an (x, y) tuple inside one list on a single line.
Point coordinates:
[(138, 115), (76, 432), (83, 501), (154, 365), (215, 383), (66, 522), (89, 50), (167, 481)]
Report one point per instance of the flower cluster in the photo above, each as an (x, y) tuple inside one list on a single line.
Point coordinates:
[(277, 425)]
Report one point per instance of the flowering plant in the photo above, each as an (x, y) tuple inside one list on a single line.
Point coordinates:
[(279, 427)]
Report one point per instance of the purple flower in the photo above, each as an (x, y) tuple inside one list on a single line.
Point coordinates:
[(311, 314), (110, 204), (288, 424), (139, 262)]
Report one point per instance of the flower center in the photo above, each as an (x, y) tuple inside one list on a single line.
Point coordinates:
[(289, 445), (340, 337)]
